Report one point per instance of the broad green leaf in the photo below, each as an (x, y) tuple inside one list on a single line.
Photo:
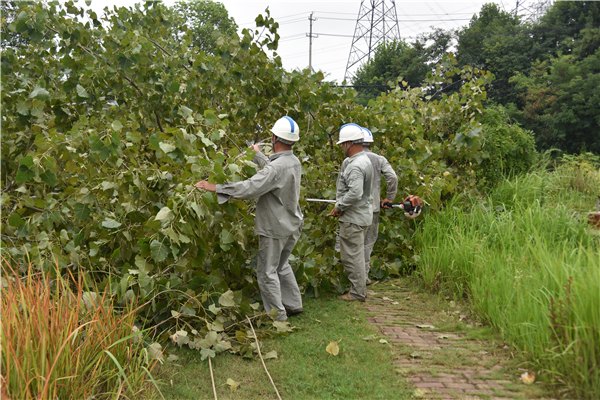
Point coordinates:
[(269, 355), (210, 118), (226, 299), (39, 93), (165, 214), (174, 87), (49, 178), (81, 92), (110, 223), (166, 147), (117, 125), (159, 250), (185, 112), (81, 211), (207, 353), (24, 173), (15, 220), (226, 237)]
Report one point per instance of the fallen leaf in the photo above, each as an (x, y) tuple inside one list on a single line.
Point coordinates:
[(528, 377), (478, 324), (395, 303), (443, 337), (317, 320), (416, 355), (383, 341), (269, 355), (462, 318), (407, 298), (233, 385), (368, 338), (385, 298), (172, 358), (420, 393), (426, 326), (282, 326), (333, 348)]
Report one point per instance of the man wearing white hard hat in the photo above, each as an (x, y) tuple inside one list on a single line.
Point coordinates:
[(381, 166), (278, 221), (354, 207)]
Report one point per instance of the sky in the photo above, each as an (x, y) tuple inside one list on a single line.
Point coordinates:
[(335, 25)]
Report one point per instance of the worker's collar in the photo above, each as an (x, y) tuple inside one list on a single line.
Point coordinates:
[(281, 154), (350, 159), (366, 150)]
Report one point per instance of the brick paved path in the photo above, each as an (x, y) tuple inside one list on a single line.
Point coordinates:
[(440, 365)]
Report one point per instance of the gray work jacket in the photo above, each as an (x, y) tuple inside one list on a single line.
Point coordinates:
[(277, 187), (354, 191), (381, 166)]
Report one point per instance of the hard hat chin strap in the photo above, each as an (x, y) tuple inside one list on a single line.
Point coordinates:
[(278, 139)]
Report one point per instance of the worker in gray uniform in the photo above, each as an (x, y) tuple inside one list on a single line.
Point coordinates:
[(354, 207), (278, 221), (381, 166)]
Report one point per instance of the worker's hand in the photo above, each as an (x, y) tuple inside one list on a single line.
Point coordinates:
[(386, 204), (334, 213), (255, 148), (211, 187), (417, 205)]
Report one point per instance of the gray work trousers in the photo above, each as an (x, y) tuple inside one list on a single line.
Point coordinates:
[(371, 235), (276, 280), (370, 240), (352, 249)]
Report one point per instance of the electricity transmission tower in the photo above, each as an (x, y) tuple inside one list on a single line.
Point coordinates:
[(377, 23), (533, 9)]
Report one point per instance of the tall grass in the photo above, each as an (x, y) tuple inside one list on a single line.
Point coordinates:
[(59, 342), (531, 269)]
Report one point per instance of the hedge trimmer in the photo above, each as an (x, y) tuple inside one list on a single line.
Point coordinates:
[(407, 206)]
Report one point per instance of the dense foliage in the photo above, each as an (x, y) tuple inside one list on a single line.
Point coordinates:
[(546, 71), (205, 18), (105, 131), (509, 149)]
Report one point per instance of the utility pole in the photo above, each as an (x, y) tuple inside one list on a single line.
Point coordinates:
[(310, 38)]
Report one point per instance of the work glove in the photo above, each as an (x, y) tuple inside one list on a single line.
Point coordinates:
[(386, 204), (412, 206)]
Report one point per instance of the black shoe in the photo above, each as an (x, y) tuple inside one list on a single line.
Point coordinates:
[(369, 282), (293, 312)]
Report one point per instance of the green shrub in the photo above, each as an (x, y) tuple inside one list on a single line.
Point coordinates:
[(510, 148)]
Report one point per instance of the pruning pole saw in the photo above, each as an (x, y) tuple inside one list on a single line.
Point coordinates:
[(406, 205)]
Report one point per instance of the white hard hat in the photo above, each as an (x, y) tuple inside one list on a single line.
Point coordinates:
[(367, 136), (287, 129), (350, 133)]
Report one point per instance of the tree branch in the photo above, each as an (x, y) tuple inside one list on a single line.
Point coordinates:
[(166, 52)]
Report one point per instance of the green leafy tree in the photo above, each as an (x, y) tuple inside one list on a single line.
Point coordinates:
[(205, 19), (509, 149), (9, 13), (106, 129), (562, 102)]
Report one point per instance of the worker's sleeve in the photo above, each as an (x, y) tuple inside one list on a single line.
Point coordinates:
[(260, 159), (390, 177), (263, 182), (355, 180)]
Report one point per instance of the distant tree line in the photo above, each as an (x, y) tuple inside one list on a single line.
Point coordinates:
[(547, 71)]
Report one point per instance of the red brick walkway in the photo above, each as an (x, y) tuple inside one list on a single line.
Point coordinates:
[(422, 354)]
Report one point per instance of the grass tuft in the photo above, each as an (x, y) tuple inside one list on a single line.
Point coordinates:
[(61, 342)]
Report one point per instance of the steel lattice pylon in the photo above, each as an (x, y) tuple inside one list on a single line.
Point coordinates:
[(377, 23)]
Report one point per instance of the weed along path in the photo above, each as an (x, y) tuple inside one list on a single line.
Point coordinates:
[(438, 346)]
